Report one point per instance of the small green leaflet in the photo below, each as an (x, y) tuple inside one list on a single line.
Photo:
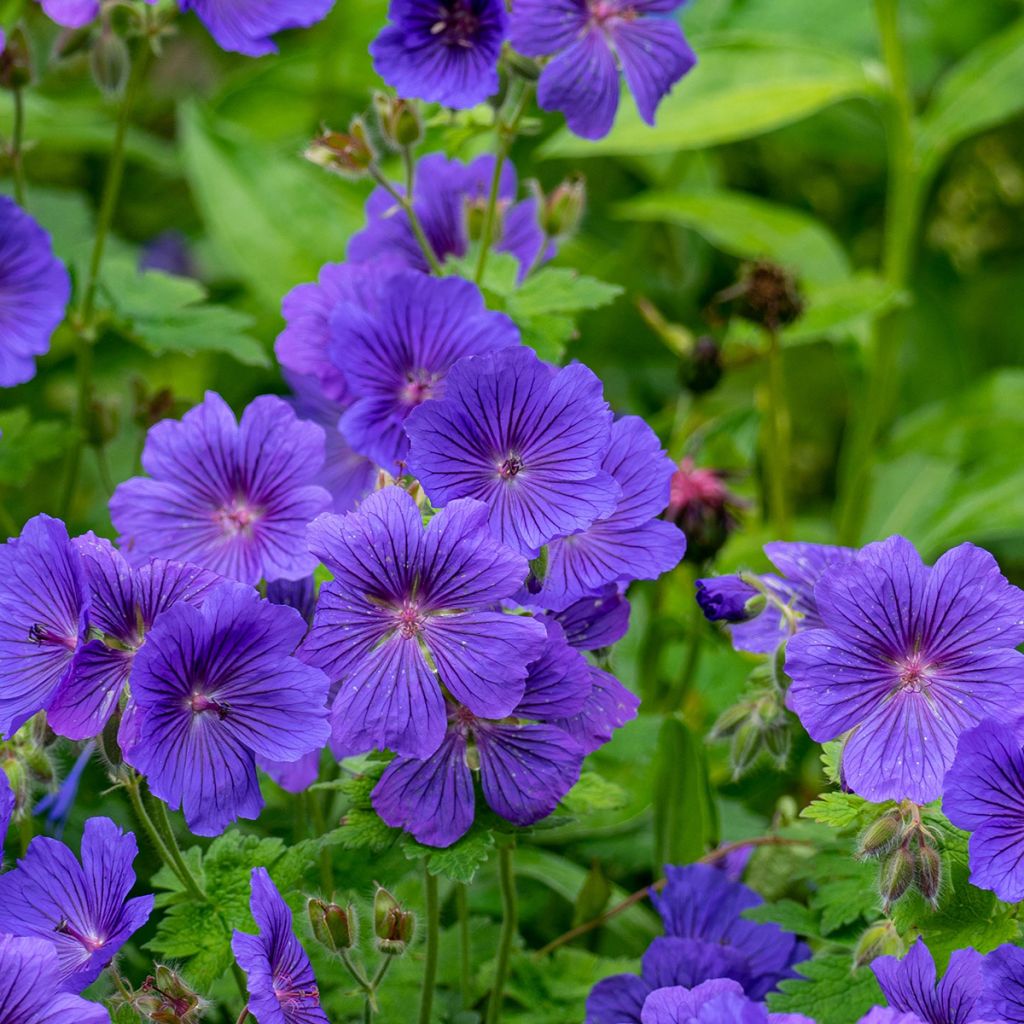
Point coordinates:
[(844, 810), (830, 991), (25, 444)]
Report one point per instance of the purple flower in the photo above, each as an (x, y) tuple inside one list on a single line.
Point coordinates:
[(214, 688), (609, 707), (34, 291), (398, 358), (791, 605), (910, 985), (72, 13), (526, 765), (887, 1015), (169, 252), (445, 194), (81, 909), (1003, 973), (984, 793), (720, 1001), (247, 27), (909, 658), (124, 605), (6, 808), (43, 601), (629, 544), (408, 609), (57, 805), (293, 776), (30, 991), (590, 40), (595, 622), (725, 598), (527, 440), (231, 497), (282, 988), (442, 51)]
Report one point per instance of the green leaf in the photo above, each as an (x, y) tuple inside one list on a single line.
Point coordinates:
[(740, 88), (458, 862), (985, 89), (788, 914), (844, 810), (557, 290), (748, 228), (592, 793), (847, 889), (169, 314), (836, 308), (831, 991), (25, 445)]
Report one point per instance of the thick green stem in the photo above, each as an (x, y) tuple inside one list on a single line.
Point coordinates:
[(465, 947), (778, 441), (509, 927), (17, 152), (163, 823), (433, 915)]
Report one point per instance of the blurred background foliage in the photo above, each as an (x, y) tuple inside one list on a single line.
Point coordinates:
[(774, 148)]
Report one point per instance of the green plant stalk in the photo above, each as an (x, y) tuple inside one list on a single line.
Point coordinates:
[(778, 441), (17, 152), (433, 915), (163, 823), (320, 828), (904, 205), (465, 947), (509, 927), (405, 201)]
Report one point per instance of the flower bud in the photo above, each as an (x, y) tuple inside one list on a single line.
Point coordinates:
[(928, 873), (15, 61), (747, 746), (881, 939), (399, 120), (778, 742), (562, 211), (334, 927), (392, 924), (701, 371), (769, 296), (349, 155), (730, 720), (167, 999), (703, 508), (729, 599), (897, 875), (881, 836), (110, 62), (476, 218)]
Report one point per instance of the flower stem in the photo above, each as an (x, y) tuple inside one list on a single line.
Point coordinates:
[(406, 203), (779, 435), (17, 150), (509, 927), (433, 915), (465, 947)]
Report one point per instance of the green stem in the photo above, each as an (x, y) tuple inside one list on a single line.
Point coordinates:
[(119, 983), (433, 916), (509, 927), (465, 947), (17, 152), (163, 824), (326, 860), (695, 634), (405, 201), (778, 437)]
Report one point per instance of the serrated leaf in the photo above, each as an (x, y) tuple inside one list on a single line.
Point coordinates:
[(557, 290), (831, 990), (788, 914), (844, 810), (25, 444), (592, 793), (458, 862), (847, 890)]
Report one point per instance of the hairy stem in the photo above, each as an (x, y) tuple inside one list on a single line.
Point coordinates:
[(433, 914), (465, 947), (509, 927)]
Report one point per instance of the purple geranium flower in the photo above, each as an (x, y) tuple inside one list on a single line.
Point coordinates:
[(293, 776), (282, 988), (526, 765), (984, 793), (30, 989), (527, 440), (57, 805), (72, 13), (410, 608), (213, 689), (585, 37), (398, 358), (232, 497), (124, 605), (442, 51), (595, 622), (34, 291), (445, 194), (609, 707), (1003, 995), (629, 544), (720, 1001), (909, 658), (887, 1015), (247, 27), (725, 598), (43, 602), (81, 909)]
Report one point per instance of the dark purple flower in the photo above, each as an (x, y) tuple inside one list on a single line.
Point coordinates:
[(791, 606), (609, 707), (124, 605), (247, 27), (400, 591), (397, 359), (909, 658), (595, 622), (282, 988), (887, 1015), (213, 689), (526, 765), (231, 497), (72, 13), (43, 602), (6, 808), (169, 252), (442, 51), (526, 440), (30, 989), (81, 909), (590, 40), (1003, 996), (910, 985), (726, 598), (446, 193), (293, 776), (720, 1001), (57, 805), (984, 793), (297, 594), (629, 544), (34, 291)]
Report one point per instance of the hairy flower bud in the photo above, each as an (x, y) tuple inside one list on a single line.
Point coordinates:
[(881, 939), (778, 741), (562, 211), (399, 120), (392, 924), (167, 999), (747, 746), (702, 370), (881, 836), (349, 155), (897, 875), (928, 873), (110, 62), (334, 927)]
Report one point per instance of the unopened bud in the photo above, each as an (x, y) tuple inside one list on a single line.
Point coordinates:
[(476, 218), (349, 155), (399, 120), (778, 742), (928, 876), (880, 939), (701, 371), (897, 875), (15, 61), (881, 836), (524, 67), (110, 63), (730, 720), (392, 924), (562, 211), (747, 746), (167, 999), (769, 296), (334, 927)]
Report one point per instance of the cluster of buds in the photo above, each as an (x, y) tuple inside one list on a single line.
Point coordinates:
[(908, 853), (756, 726), (349, 155), (336, 927), (165, 998)]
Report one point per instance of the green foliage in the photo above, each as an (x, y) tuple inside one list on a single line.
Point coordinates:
[(844, 810), (25, 444), (831, 990)]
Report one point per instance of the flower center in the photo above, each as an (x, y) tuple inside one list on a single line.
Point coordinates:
[(418, 387), (914, 674), (511, 467), (90, 942), (410, 621), (200, 703), (603, 11), (237, 518), (42, 636), (456, 23)]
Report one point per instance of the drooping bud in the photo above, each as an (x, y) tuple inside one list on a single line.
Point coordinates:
[(703, 508), (729, 599), (333, 926), (15, 61), (881, 939), (881, 836), (110, 63), (392, 924), (897, 875), (166, 998), (562, 211), (769, 296), (702, 370), (399, 120), (928, 873), (349, 155), (747, 746), (778, 741)]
